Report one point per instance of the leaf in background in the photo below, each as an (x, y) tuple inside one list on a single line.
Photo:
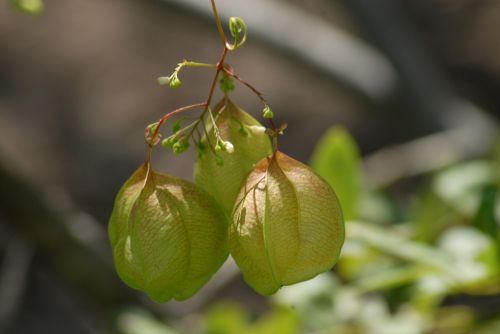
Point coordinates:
[(376, 207), (232, 318), (336, 158), (33, 7), (460, 186), (282, 320), (226, 318), (473, 251), (390, 242), (139, 321), (485, 219), (431, 215)]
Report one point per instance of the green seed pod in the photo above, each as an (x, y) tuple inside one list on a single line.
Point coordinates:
[(223, 175), (287, 225), (168, 237)]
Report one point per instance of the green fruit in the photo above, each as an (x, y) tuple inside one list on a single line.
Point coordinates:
[(287, 225), (168, 237), (222, 176)]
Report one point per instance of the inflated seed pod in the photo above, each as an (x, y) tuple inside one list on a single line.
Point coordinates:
[(168, 237), (223, 174), (287, 225)]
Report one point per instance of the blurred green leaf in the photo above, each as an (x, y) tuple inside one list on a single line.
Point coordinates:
[(431, 215), (491, 327), (390, 278), (231, 318), (138, 321), (282, 320), (376, 207), (336, 158), (33, 7), (468, 246), (390, 242), (359, 260), (226, 318), (453, 320), (461, 186), (314, 301), (485, 219)]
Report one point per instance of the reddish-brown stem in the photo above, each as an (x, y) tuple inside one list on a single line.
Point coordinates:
[(219, 24), (220, 67), (230, 72), (167, 116), (272, 124), (252, 88)]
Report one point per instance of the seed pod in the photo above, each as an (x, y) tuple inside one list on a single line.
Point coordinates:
[(287, 225), (222, 176), (168, 237)]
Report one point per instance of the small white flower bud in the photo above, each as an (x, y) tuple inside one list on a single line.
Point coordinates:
[(163, 81), (228, 147), (257, 129)]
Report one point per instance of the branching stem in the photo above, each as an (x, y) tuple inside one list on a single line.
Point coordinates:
[(167, 116), (152, 139)]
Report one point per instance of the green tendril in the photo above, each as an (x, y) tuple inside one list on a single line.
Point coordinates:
[(238, 30)]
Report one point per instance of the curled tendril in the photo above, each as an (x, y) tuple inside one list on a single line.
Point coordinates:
[(238, 30)]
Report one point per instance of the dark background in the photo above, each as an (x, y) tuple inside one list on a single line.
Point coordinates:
[(78, 86)]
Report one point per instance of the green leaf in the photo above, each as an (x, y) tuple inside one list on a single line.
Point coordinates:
[(391, 243), (32, 7), (226, 318), (431, 215), (281, 320), (461, 186), (485, 219), (336, 158), (138, 321)]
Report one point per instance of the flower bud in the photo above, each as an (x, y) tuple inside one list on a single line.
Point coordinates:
[(174, 82), (228, 146), (169, 142), (257, 129), (222, 175), (168, 237), (287, 225), (180, 146), (163, 81), (267, 112)]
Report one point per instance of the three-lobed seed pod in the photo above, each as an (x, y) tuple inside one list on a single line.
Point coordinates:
[(168, 237), (287, 225), (222, 175)]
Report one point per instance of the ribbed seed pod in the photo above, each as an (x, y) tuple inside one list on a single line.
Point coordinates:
[(222, 176), (168, 237), (287, 225)]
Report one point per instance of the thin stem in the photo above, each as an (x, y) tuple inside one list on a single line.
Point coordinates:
[(272, 124), (231, 73), (196, 64), (220, 66), (249, 86), (170, 114), (219, 24)]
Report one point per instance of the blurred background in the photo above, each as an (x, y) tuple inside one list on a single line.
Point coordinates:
[(395, 103)]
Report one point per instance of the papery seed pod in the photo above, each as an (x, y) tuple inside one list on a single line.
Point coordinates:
[(287, 225), (168, 237), (222, 176)]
